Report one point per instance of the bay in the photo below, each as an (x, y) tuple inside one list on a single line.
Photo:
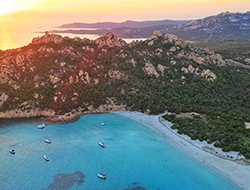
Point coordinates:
[(136, 157), (15, 38)]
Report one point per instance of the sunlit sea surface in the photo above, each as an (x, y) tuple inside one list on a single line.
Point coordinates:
[(136, 158), (15, 38)]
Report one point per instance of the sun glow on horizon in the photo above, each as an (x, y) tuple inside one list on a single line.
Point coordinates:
[(6, 6), (14, 13), (9, 6)]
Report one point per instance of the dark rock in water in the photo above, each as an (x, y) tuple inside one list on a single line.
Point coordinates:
[(62, 118), (65, 181), (136, 188)]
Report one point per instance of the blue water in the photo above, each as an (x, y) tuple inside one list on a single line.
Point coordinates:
[(136, 158)]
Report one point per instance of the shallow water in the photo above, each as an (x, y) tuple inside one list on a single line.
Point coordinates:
[(136, 158)]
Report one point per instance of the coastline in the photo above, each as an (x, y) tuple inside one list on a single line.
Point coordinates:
[(231, 169)]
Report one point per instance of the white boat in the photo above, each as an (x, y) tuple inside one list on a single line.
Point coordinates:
[(41, 126), (12, 151), (47, 140), (102, 124), (102, 144), (103, 176), (46, 158)]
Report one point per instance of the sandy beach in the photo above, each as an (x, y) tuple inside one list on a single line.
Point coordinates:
[(224, 163)]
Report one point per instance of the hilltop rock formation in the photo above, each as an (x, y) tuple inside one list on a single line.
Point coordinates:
[(109, 40), (54, 38)]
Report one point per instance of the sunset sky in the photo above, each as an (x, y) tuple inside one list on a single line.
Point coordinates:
[(57, 12)]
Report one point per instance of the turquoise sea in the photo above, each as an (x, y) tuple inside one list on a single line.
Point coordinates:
[(136, 158)]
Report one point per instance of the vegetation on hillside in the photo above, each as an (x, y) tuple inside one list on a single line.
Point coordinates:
[(226, 132), (232, 49), (225, 101)]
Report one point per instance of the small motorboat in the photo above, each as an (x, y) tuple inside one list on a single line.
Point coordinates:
[(103, 176), (41, 126), (47, 140), (46, 158), (102, 144), (12, 151), (102, 124)]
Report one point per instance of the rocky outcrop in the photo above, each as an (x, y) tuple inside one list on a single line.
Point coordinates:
[(247, 61), (115, 74), (51, 116), (48, 115), (3, 98), (205, 57), (151, 43), (150, 69), (167, 38), (206, 73), (109, 40), (196, 58), (68, 117), (157, 33), (158, 51), (133, 62), (54, 79), (170, 38), (173, 49), (231, 62), (26, 113), (106, 108), (54, 38), (161, 68)]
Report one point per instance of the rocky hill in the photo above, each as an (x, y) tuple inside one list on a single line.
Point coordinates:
[(57, 75), (224, 26), (128, 23)]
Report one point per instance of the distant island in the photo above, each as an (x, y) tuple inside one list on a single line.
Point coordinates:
[(127, 29), (128, 23), (224, 26)]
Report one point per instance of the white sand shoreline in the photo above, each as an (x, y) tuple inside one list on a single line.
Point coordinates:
[(237, 173)]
